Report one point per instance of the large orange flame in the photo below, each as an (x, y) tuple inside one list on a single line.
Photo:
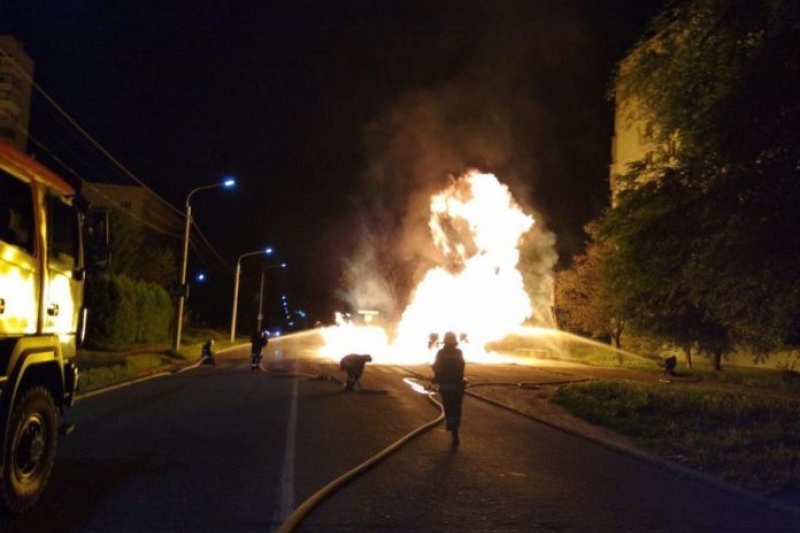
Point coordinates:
[(477, 290)]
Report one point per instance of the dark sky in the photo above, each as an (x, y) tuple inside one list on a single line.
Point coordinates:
[(316, 104)]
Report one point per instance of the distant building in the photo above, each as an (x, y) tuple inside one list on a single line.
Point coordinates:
[(141, 204), (635, 133), (16, 73)]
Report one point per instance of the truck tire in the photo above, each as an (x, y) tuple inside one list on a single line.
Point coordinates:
[(31, 449)]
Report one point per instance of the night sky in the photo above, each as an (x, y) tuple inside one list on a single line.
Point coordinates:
[(330, 112)]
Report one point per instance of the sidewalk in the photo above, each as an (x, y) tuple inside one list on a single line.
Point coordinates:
[(535, 403)]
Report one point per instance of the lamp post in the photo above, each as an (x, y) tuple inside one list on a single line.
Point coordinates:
[(227, 183), (265, 251), (261, 293)]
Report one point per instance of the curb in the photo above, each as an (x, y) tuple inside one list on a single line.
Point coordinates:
[(644, 456)]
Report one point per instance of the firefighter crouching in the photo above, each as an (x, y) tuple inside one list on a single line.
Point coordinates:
[(353, 365)]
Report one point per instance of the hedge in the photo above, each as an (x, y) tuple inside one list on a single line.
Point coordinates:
[(124, 312)]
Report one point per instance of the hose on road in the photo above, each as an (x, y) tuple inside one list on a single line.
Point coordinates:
[(294, 519)]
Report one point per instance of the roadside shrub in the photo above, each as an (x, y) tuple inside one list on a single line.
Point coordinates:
[(123, 312), (154, 310)]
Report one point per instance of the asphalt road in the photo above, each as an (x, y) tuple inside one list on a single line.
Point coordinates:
[(224, 449)]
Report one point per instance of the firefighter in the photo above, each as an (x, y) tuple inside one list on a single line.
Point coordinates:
[(208, 357), (448, 374), (257, 342), (353, 365)]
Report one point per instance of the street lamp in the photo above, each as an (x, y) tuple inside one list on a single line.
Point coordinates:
[(261, 293), (227, 182), (265, 251)]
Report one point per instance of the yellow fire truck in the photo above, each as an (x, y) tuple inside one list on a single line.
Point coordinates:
[(47, 241)]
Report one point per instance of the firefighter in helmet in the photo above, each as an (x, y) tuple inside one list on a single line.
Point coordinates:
[(448, 374), (353, 365)]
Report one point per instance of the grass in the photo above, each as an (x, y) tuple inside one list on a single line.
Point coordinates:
[(607, 356), (100, 368), (755, 377), (748, 439), (100, 374), (573, 348)]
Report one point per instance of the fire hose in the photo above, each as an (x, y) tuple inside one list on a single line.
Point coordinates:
[(297, 516)]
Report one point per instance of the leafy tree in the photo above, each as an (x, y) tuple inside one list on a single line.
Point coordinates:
[(583, 304), (139, 253), (649, 276), (705, 242)]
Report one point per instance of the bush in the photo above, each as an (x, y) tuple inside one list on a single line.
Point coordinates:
[(123, 312), (154, 310)]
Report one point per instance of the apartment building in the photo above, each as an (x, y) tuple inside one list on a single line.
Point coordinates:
[(636, 133), (141, 205), (16, 73)]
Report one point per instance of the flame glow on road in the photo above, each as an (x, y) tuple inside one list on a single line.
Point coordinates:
[(477, 290)]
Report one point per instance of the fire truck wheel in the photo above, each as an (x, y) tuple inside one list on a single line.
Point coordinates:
[(31, 449)]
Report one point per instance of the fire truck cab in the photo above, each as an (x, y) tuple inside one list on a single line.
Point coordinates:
[(43, 225)]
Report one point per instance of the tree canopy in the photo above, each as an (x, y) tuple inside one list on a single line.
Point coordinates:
[(583, 304), (707, 245)]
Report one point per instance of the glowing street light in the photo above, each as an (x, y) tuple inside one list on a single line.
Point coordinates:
[(261, 293), (265, 251), (227, 183)]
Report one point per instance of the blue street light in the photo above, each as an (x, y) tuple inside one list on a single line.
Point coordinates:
[(265, 251), (227, 183)]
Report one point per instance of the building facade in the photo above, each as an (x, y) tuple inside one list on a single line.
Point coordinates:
[(16, 75), (637, 137), (140, 204), (632, 142)]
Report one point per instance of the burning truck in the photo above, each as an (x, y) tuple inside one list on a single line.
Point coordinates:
[(477, 290)]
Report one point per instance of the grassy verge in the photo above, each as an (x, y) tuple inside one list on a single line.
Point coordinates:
[(755, 377), (100, 368), (747, 439)]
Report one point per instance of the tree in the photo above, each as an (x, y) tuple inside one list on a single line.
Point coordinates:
[(703, 234), (583, 304), (139, 253), (649, 277)]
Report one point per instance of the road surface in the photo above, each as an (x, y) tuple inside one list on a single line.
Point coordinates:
[(223, 449)]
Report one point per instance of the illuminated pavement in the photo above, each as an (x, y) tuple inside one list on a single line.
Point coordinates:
[(223, 449)]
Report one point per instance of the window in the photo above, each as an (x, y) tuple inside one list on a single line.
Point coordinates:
[(62, 234), (16, 213)]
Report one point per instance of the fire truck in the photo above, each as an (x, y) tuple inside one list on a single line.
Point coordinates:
[(48, 240)]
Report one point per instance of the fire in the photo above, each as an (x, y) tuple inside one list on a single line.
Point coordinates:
[(477, 290)]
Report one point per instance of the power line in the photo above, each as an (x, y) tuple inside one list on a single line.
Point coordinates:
[(77, 126), (195, 246), (224, 265), (110, 200)]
